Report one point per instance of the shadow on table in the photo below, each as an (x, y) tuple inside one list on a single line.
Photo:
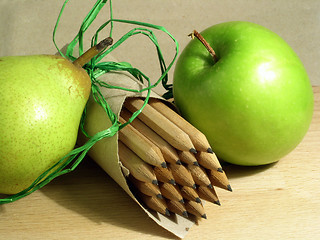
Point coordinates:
[(89, 191), (1, 209), (236, 171)]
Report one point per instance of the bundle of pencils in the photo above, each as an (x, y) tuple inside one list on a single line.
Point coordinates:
[(172, 166)]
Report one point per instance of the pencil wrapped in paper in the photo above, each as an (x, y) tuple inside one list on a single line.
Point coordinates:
[(159, 159)]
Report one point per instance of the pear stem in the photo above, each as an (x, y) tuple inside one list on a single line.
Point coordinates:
[(205, 43), (92, 52)]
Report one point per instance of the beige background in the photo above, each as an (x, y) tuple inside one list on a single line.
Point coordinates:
[(280, 201), (26, 26)]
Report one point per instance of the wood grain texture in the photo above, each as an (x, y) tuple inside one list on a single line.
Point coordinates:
[(279, 201)]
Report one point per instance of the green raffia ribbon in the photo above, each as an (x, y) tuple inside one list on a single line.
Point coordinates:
[(96, 68)]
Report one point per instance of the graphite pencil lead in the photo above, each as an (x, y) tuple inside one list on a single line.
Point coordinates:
[(204, 216), (164, 165), (167, 212), (193, 150), (159, 196), (229, 188), (210, 186), (155, 182), (172, 181), (209, 150), (218, 203), (198, 200), (220, 170), (194, 186), (185, 214), (196, 164), (178, 162), (181, 200)]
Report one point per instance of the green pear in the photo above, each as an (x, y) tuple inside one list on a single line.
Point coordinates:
[(42, 98)]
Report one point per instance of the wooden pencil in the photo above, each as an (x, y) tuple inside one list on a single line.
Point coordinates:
[(141, 145), (169, 153), (164, 175), (188, 157), (187, 170), (209, 161), (157, 204), (181, 175), (199, 175), (198, 139), (170, 191), (190, 194), (138, 168), (208, 194), (219, 179), (195, 209), (160, 124), (177, 207), (146, 187)]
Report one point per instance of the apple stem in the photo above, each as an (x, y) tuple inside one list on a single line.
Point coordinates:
[(92, 52), (205, 43)]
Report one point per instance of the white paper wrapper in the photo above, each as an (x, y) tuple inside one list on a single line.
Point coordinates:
[(105, 152)]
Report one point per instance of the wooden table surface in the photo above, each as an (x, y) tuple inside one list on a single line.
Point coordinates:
[(280, 201)]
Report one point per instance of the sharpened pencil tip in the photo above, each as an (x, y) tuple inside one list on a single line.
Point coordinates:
[(229, 188), (194, 186), (209, 150), (159, 196), (220, 170), (155, 182), (217, 202), (164, 165), (181, 200), (193, 150), (198, 200), (210, 186), (172, 181), (167, 212), (185, 214), (196, 164), (204, 216), (178, 162)]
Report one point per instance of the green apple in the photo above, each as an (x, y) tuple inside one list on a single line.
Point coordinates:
[(255, 103)]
